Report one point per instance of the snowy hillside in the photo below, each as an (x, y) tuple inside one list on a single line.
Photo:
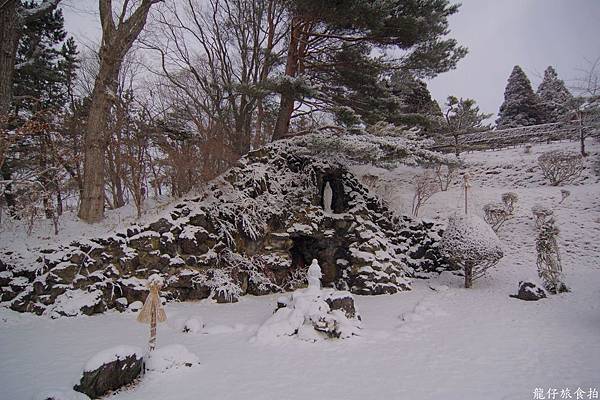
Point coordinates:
[(435, 341)]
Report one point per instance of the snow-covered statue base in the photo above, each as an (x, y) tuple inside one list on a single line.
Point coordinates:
[(312, 314)]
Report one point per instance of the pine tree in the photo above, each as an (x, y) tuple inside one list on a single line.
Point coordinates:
[(46, 64), (39, 81), (521, 106), (555, 97), (416, 106), (330, 42)]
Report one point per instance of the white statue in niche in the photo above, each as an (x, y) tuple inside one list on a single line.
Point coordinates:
[(327, 198), (314, 276)]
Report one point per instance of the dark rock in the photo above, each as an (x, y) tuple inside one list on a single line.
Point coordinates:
[(530, 291), (110, 376), (161, 226), (342, 301)]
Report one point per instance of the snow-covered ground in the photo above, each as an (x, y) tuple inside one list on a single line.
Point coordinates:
[(437, 341)]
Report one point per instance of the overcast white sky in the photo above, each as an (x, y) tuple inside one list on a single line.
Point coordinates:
[(498, 33)]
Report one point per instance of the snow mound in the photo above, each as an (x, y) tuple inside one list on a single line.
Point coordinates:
[(193, 325), (172, 356), (57, 394), (114, 353)]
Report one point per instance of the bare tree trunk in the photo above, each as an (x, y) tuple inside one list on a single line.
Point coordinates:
[(92, 199), (116, 42), (468, 275), (456, 147), (286, 103), (582, 135), (9, 38)]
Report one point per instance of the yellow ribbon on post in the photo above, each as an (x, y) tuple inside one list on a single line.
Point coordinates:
[(153, 312)]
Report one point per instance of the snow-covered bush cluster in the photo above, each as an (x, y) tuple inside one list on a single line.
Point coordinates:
[(471, 244), (560, 166)]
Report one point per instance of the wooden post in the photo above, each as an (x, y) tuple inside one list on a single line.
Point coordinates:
[(152, 312), (466, 187)]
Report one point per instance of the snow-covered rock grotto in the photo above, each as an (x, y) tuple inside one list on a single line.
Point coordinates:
[(253, 230)]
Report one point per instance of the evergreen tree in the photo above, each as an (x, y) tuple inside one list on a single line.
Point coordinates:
[(521, 106), (416, 105), (45, 62), (463, 116), (45, 68), (330, 42), (555, 97)]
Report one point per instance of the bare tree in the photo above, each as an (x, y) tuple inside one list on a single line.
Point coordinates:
[(217, 58), (425, 187), (117, 38), (445, 174), (586, 108)]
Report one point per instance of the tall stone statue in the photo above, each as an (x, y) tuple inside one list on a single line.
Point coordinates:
[(327, 198), (314, 276)]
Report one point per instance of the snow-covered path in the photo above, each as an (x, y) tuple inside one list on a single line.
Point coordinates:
[(450, 343)]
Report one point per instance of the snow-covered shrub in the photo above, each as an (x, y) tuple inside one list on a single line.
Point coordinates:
[(496, 214), (223, 288), (57, 394), (384, 151), (541, 214), (564, 193), (193, 325), (548, 257), (425, 186), (561, 166), (471, 244)]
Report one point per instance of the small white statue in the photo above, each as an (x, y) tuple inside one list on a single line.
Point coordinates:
[(314, 276), (327, 198)]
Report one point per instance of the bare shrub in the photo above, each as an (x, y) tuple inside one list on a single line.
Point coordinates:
[(445, 174), (541, 214), (560, 166), (510, 199), (496, 214), (425, 187), (548, 257)]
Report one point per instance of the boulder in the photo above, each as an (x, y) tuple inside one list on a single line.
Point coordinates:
[(342, 301), (109, 370), (530, 291)]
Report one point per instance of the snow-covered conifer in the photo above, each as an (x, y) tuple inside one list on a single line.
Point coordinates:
[(521, 106), (554, 96)]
